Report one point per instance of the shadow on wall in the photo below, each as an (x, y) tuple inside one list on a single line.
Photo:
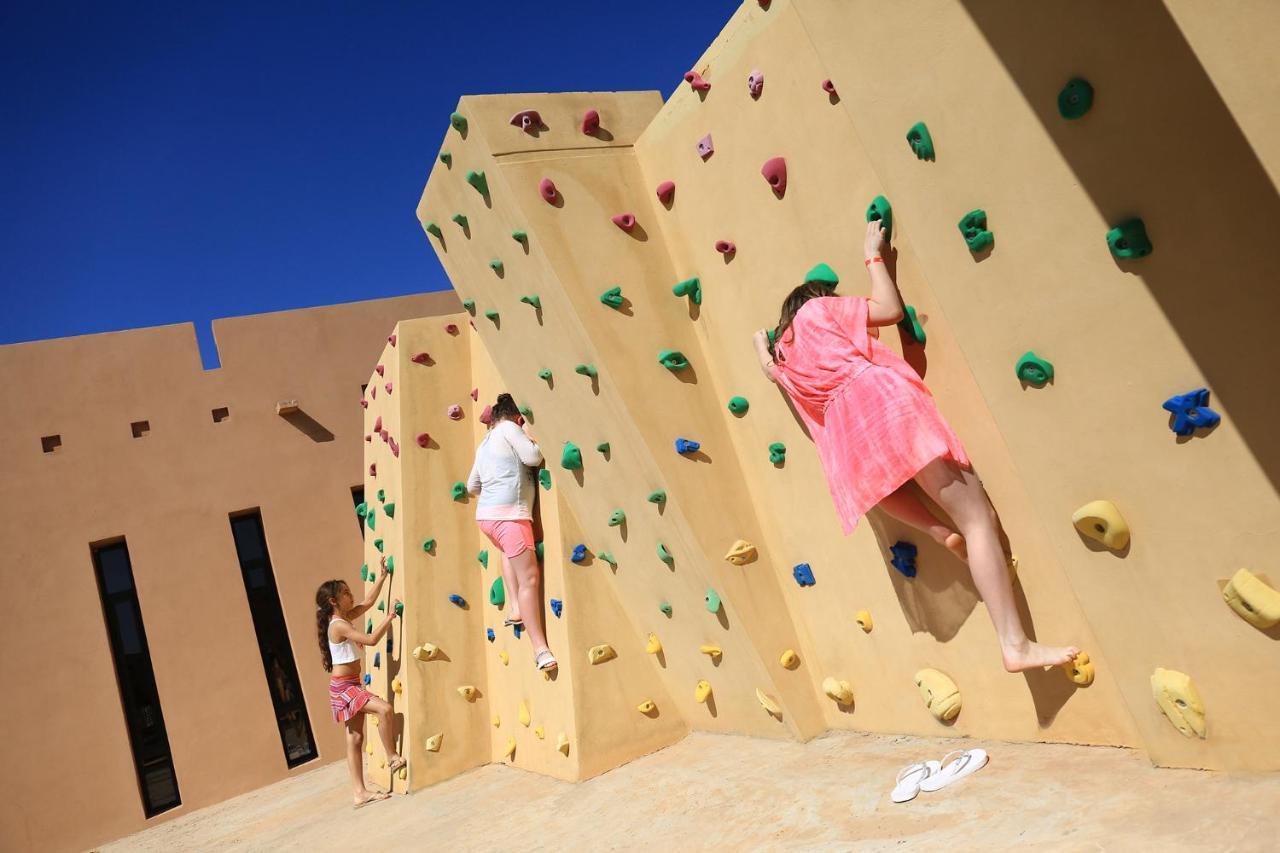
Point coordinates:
[(1161, 144), (307, 425)]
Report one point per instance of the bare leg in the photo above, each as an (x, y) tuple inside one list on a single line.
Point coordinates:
[(906, 506), (355, 761), (379, 708), (960, 494), (525, 566), (513, 589)]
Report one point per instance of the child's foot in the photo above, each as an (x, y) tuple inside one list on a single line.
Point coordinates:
[(395, 763), (1029, 655), (513, 618), (363, 798), (955, 544)]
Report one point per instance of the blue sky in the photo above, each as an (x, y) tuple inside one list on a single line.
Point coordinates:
[(172, 162)]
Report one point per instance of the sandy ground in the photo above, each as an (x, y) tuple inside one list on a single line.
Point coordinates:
[(717, 792)]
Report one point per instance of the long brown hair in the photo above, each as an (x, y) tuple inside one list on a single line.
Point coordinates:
[(505, 407), (326, 594), (792, 304)]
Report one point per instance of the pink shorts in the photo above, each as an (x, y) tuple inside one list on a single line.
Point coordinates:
[(514, 537)]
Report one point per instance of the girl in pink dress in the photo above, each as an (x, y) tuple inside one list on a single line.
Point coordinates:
[(876, 429)]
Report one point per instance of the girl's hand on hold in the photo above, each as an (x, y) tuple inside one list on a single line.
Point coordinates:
[(394, 606), (382, 561), (875, 239), (761, 337), (525, 426)]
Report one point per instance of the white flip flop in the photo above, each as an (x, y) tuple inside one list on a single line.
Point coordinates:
[(966, 763), (907, 785)]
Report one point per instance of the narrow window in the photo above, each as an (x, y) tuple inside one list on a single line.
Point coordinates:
[(357, 498), (273, 638), (50, 443), (221, 414), (140, 428), (152, 757)]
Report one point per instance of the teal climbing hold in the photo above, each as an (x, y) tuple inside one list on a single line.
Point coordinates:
[(399, 608), (368, 626), (910, 324), (491, 314), (525, 411), (382, 606), (691, 287), (458, 121), (1129, 240), (544, 373), (772, 335), (371, 519), (539, 549), (880, 210), (362, 509), (434, 230), (617, 517), (532, 299), (612, 297), (461, 220), (544, 477), (497, 593), (519, 236), (364, 572), (1075, 99), (469, 305), (713, 600), (428, 545), (458, 490), (1034, 370), (478, 180), (496, 265), (483, 557), (586, 370), (822, 274), (665, 607), (777, 453), (446, 158), (974, 228), (377, 543), (382, 496), (672, 359), (663, 554), (738, 405), (608, 557), (920, 141), (657, 497), (603, 447), (390, 510), (391, 565), (571, 457)]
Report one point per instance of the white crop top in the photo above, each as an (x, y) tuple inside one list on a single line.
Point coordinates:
[(344, 652)]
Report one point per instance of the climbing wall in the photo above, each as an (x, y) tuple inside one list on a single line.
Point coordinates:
[(615, 255)]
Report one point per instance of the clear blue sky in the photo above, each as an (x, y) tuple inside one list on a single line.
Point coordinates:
[(166, 162)]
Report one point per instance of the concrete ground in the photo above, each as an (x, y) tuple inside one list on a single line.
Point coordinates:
[(718, 792)]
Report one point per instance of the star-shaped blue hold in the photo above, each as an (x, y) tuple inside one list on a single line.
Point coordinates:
[(1191, 411)]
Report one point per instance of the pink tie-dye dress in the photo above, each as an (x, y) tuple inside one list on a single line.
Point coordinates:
[(872, 418)]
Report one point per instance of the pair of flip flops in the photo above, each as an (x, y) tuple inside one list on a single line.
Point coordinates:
[(936, 775)]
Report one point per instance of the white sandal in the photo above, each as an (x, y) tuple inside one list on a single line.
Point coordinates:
[(544, 660), (967, 762), (907, 785)]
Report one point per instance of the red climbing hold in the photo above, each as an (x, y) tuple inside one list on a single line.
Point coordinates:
[(395, 448), (451, 328), (764, 4), (368, 436), (373, 391), (725, 247), (695, 81), (486, 415), (527, 120), (379, 370), (454, 412), (475, 393), (666, 191), (421, 357), (391, 339), (423, 439), (705, 147), (775, 172), (388, 387), (377, 424), (590, 122), (828, 87), (625, 221), (373, 469), (755, 83), (548, 190), (364, 404)]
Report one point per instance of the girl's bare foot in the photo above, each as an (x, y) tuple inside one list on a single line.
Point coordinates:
[(1029, 655), (955, 544), (363, 798)]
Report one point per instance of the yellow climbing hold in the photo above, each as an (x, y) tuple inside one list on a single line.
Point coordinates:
[(711, 651), (497, 721), (396, 686), (741, 553), (1102, 522), (504, 657), (789, 659), (404, 772), (426, 651), (839, 690), (369, 748), (601, 653), (654, 645), (1080, 669), (539, 733), (1255, 602), (510, 751), (646, 707), (768, 703), (562, 744), (1179, 700), (702, 691), (940, 694), (863, 618), (433, 742), (524, 714), (467, 692)]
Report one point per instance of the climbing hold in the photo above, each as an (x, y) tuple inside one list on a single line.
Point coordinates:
[(910, 325), (390, 510), (768, 703), (446, 158), (510, 751), (940, 694), (881, 211), (666, 191), (489, 635), (497, 593), (377, 543), (612, 297), (863, 618), (497, 721), (382, 606), (755, 83), (538, 549), (602, 447), (458, 600), (428, 545), (617, 517), (362, 509), (368, 626), (579, 553), (1075, 99), (695, 81), (1251, 598), (525, 411), (608, 558), (712, 599), (775, 172), (504, 657), (458, 490), (477, 180), (840, 691), (557, 607), (586, 370), (527, 120), (904, 558), (433, 742), (434, 230), (789, 659), (540, 733), (1178, 698), (545, 373), (364, 572), (377, 659), (803, 574), (1191, 412), (921, 141), (454, 412), (665, 607), (657, 497), (426, 652), (822, 274), (741, 552), (691, 287), (663, 554), (373, 469), (571, 457), (548, 190), (702, 692), (654, 646), (459, 122), (646, 707), (711, 651), (421, 357), (738, 405), (672, 359), (469, 305), (1101, 521), (726, 247), (396, 686), (684, 445), (590, 122), (1129, 240), (562, 742), (973, 225), (544, 477), (1080, 669), (1034, 370), (391, 565), (388, 387), (532, 299), (829, 88), (777, 453), (523, 716), (706, 147), (368, 679), (625, 221), (461, 220), (496, 266), (600, 653), (475, 393), (467, 692)]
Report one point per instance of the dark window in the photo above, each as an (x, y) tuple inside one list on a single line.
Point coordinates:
[(221, 414), (273, 638), (152, 757), (50, 443), (140, 428), (357, 498)]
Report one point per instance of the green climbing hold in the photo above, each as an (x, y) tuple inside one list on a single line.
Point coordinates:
[(612, 297), (777, 453), (525, 411), (391, 565), (672, 359), (571, 458), (390, 510), (428, 545), (544, 477), (446, 158), (545, 373), (663, 554), (532, 299), (1075, 99), (477, 180), (483, 557), (371, 519), (382, 606), (910, 324), (665, 608), (497, 592), (690, 287), (496, 265), (539, 549), (459, 122), (434, 230), (519, 236), (458, 490), (586, 370), (713, 600), (880, 210), (461, 220), (658, 497), (974, 228), (377, 543), (1129, 240), (608, 557), (1034, 370), (364, 572), (399, 608), (469, 305), (492, 315), (822, 274), (368, 626), (738, 405), (603, 447), (362, 509), (920, 141), (618, 517), (772, 335), (382, 496)]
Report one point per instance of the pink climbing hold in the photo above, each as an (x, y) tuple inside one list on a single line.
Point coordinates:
[(475, 393), (725, 247), (486, 415), (395, 448), (666, 191), (454, 412), (548, 190), (384, 435), (527, 120), (364, 404), (377, 424), (755, 83), (764, 4), (625, 221), (451, 328), (828, 87), (423, 439), (373, 391), (368, 436), (373, 469), (388, 387), (391, 339), (705, 147), (590, 122), (695, 81), (421, 358), (380, 370), (775, 172)]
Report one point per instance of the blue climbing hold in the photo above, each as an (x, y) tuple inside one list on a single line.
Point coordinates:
[(518, 630), (1191, 412), (684, 445), (489, 635), (368, 679), (579, 553), (904, 558), (557, 607), (458, 600), (803, 574), (377, 659)]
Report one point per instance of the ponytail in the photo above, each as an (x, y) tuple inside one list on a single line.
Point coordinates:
[(327, 592)]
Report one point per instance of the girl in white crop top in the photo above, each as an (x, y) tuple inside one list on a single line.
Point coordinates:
[(342, 650)]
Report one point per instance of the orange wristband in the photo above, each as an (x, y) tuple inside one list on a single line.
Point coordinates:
[(869, 261)]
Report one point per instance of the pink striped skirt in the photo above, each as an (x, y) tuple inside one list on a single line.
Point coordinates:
[(347, 697)]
